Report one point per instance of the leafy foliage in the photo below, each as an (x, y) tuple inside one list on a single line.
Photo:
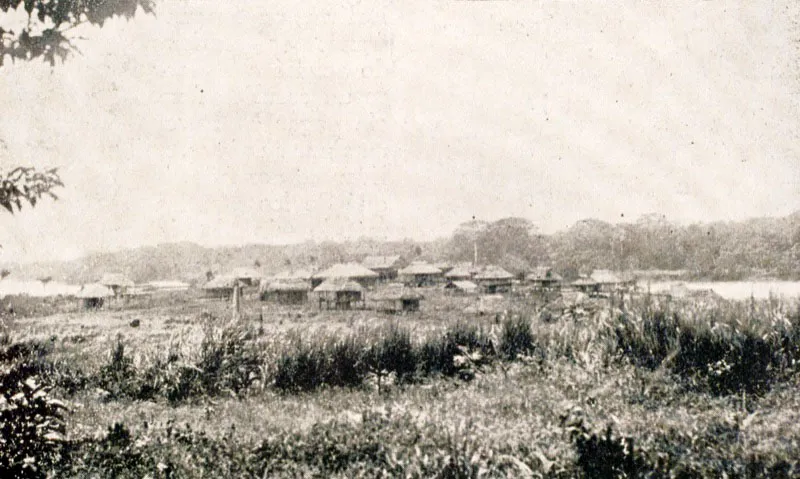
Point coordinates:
[(719, 251), (607, 456), (46, 33), (27, 184), (517, 337), (32, 423), (728, 357), (229, 363)]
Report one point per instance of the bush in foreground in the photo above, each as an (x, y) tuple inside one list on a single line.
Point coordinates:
[(32, 422), (744, 352)]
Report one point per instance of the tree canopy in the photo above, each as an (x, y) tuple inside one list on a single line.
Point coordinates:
[(46, 32), (25, 184), (513, 243)]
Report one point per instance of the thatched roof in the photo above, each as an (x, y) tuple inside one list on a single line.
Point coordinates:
[(245, 273), (584, 282), (395, 292), (492, 272), (462, 271), (220, 282), (339, 285), (604, 276), (116, 279), (543, 273), (420, 268), (94, 290), (381, 262), (288, 285), (443, 265), (346, 270)]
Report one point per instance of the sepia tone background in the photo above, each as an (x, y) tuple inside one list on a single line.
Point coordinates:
[(265, 122)]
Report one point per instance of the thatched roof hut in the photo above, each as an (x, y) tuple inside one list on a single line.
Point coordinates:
[(494, 279), (93, 295), (396, 297), (118, 283), (492, 272), (349, 271), (220, 287), (586, 285), (385, 266), (339, 293), (462, 272), (544, 277), (246, 276), (611, 281), (420, 273), (287, 291)]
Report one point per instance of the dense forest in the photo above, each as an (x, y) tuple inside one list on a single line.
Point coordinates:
[(756, 248), (763, 247)]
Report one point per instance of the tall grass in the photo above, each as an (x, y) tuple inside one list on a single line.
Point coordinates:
[(384, 353), (229, 362), (517, 337), (723, 349)]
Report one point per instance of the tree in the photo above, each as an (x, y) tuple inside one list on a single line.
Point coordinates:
[(465, 238), (47, 34), (27, 184)]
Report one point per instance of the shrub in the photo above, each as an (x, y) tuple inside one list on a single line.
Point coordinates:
[(725, 365), (301, 368), (648, 341), (741, 353), (393, 352), (32, 423), (347, 362), (228, 361), (437, 354), (516, 337), (114, 455), (606, 456), (118, 376)]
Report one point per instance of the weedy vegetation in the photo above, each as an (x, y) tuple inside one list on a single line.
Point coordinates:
[(646, 388)]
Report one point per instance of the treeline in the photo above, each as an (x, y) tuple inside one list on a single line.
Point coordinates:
[(763, 247), (190, 262)]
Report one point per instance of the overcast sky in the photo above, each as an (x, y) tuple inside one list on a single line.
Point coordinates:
[(273, 122)]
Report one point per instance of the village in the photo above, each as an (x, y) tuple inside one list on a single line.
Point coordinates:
[(387, 284), (357, 240)]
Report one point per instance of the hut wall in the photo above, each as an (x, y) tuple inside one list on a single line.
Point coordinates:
[(289, 297), (386, 274), (218, 293), (494, 287), (92, 303)]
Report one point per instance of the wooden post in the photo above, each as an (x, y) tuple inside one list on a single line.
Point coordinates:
[(236, 300)]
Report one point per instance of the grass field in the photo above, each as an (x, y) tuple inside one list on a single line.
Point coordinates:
[(641, 389)]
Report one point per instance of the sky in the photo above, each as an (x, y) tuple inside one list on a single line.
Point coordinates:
[(277, 122)]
